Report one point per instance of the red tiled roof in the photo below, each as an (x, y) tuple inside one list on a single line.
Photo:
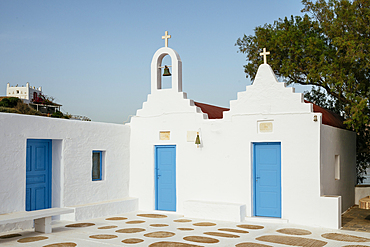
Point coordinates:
[(328, 117), (213, 112)]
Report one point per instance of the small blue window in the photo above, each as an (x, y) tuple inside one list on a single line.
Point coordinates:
[(97, 160)]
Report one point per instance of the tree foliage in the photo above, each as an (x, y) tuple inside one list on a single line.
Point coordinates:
[(10, 102), (328, 47), (16, 105), (57, 114)]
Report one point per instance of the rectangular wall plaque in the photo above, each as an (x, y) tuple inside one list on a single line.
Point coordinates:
[(265, 127), (164, 135)]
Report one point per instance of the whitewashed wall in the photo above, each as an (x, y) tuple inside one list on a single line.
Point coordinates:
[(221, 169), (72, 145), (339, 142)]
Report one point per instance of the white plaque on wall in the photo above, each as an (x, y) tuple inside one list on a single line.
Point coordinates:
[(265, 126), (164, 135)]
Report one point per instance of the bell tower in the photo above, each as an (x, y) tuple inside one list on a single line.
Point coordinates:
[(156, 68), (163, 100)]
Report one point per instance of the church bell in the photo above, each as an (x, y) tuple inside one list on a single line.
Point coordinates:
[(166, 71), (197, 139)]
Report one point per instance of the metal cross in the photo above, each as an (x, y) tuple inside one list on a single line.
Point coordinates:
[(166, 37), (264, 54)]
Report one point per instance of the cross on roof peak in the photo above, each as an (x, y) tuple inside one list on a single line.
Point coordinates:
[(264, 54), (166, 37)]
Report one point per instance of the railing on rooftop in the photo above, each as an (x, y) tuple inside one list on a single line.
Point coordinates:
[(81, 118)]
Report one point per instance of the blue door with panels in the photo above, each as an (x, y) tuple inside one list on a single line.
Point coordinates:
[(267, 179), (165, 178), (38, 174)]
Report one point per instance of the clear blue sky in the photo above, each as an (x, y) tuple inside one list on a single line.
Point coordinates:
[(94, 56)]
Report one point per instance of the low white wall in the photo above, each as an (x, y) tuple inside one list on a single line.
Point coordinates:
[(214, 211), (72, 145), (102, 209), (335, 141), (361, 191)]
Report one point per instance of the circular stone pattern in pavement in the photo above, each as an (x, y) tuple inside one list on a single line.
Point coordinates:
[(107, 227), (250, 244), (158, 225), (185, 229), (135, 222), (204, 224), (132, 240), (344, 237), (10, 236), (31, 239), (152, 215), (160, 234), (172, 244), (199, 239), (116, 218), (254, 227), (130, 230), (67, 244), (294, 231), (80, 225), (182, 220), (103, 236), (232, 230), (221, 234)]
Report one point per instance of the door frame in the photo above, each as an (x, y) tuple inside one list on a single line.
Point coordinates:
[(156, 147), (254, 177)]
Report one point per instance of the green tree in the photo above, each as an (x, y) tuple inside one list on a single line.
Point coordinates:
[(10, 102), (328, 47)]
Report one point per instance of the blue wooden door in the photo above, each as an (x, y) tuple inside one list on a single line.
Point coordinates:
[(38, 174), (267, 179), (165, 176)]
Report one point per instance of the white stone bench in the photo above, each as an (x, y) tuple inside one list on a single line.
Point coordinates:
[(215, 210), (102, 209), (42, 218)]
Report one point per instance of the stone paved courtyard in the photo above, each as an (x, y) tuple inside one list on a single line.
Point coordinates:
[(356, 219), (172, 230)]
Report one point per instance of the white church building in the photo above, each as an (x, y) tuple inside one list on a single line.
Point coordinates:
[(271, 156)]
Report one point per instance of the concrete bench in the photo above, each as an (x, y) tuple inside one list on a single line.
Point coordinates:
[(215, 210), (42, 218)]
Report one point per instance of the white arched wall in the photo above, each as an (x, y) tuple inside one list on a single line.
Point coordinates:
[(156, 77)]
